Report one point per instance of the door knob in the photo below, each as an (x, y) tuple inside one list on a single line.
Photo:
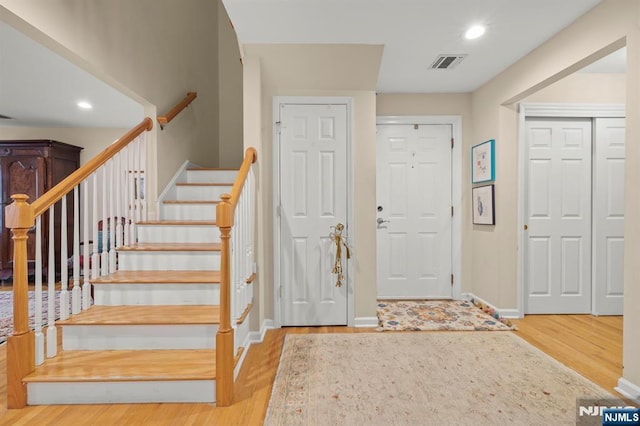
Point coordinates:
[(381, 221)]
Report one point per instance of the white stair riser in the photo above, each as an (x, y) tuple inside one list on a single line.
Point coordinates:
[(201, 193), (156, 294), (169, 260), (178, 234), (166, 391), (211, 176), (189, 211), (138, 337)]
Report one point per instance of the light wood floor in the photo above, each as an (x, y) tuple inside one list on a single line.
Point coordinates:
[(591, 345)]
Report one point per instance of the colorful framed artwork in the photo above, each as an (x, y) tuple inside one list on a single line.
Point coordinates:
[(483, 162), (483, 205)]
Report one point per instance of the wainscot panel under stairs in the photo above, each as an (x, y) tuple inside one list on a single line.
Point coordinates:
[(151, 334)]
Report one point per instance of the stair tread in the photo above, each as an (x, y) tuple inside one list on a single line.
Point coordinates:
[(191, 201), (178, 222), (127, 365), (159, 277), (171, 247), (145, 315), (203, 184)]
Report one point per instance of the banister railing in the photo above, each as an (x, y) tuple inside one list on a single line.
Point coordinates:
[(165, 119), (236, 265), (119, 169)]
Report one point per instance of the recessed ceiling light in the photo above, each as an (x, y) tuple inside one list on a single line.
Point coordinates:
[(84, 105), (474, 32)]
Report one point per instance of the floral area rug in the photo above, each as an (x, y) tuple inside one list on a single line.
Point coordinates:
[(445, 378), (420, 315), (6, 311)]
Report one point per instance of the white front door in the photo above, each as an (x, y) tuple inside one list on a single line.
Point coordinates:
[(413, 180), (313, 199), (558, 206), (608, 216)]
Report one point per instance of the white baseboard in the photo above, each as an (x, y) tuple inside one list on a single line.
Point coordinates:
[(504, 313), (258, 336), (172, 183), (365, 322), (628, 389)]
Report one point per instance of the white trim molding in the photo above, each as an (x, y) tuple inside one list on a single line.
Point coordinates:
[(628, 389), (549, 110), (455, 121), (504, 313), (366, 322)]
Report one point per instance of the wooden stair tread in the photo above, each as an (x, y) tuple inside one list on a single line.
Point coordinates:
[(127, 365), (171, 247), (191, 201), (145, 315), (179, 222), (209, 169), (203, 184), (159, 277)]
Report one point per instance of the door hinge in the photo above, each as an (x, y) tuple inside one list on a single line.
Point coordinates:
[(451, 279), (277, 123), (452, 143), (415, 127), (451, 211)]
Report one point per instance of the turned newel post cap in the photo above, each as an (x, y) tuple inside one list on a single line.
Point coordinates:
[(225, 197), (19, 214)]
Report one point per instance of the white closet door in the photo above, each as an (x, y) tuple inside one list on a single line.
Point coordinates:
[(608, 216), (558, 245)]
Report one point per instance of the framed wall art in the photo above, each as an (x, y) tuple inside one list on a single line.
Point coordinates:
[(483, 162), (483, 205)]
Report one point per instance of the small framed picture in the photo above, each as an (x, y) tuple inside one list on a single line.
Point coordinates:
[(483, 205), (482, 162)]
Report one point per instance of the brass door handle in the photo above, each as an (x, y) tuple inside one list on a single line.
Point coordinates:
[(526, 227)]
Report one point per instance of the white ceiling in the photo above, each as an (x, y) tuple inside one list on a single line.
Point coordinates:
[(413, 33), (39, 88)]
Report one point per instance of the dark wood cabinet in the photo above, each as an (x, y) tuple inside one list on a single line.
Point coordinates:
[(33, 167)]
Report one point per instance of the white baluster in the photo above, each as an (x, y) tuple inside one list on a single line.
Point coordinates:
[(95, 256), (136, 182), (86, 285), (143, 179), (39, 337), (111, 221), (76, 299), (104, 256), (64, 263), (119, 216), (52, 333), (125, 196)]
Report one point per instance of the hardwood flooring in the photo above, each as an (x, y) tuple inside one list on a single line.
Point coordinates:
[(590, 345)]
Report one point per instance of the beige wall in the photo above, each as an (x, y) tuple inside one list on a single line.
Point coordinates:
[(300, 70), (584, 88), (92, 140), (157, 50), (457, 104), (230, 93), (599, 32)]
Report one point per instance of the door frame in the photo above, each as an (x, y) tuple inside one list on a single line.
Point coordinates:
[(277, 244), (548, 110), (455, 121)]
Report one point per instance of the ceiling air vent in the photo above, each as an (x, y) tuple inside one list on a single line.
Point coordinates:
[(446, 62), (4, 117)]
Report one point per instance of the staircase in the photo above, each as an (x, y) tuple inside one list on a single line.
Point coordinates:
[(151, 334)]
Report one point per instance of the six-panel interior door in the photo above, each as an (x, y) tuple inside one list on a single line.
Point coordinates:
[(608, 216), (414, 211), (313, 199), (558, 205)]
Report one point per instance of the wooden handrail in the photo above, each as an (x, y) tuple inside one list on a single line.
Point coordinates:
[(164, 119), (67, 184), (224, 338)]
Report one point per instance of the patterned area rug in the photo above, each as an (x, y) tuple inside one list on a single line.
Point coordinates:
[(443, 378), (458, 315), (6, 311)]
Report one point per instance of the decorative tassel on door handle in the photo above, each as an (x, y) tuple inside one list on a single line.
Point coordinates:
[(340, 241)]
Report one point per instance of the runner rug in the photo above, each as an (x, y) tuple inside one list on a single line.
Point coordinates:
[(6, 311), (458, 315), (443, 378)]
